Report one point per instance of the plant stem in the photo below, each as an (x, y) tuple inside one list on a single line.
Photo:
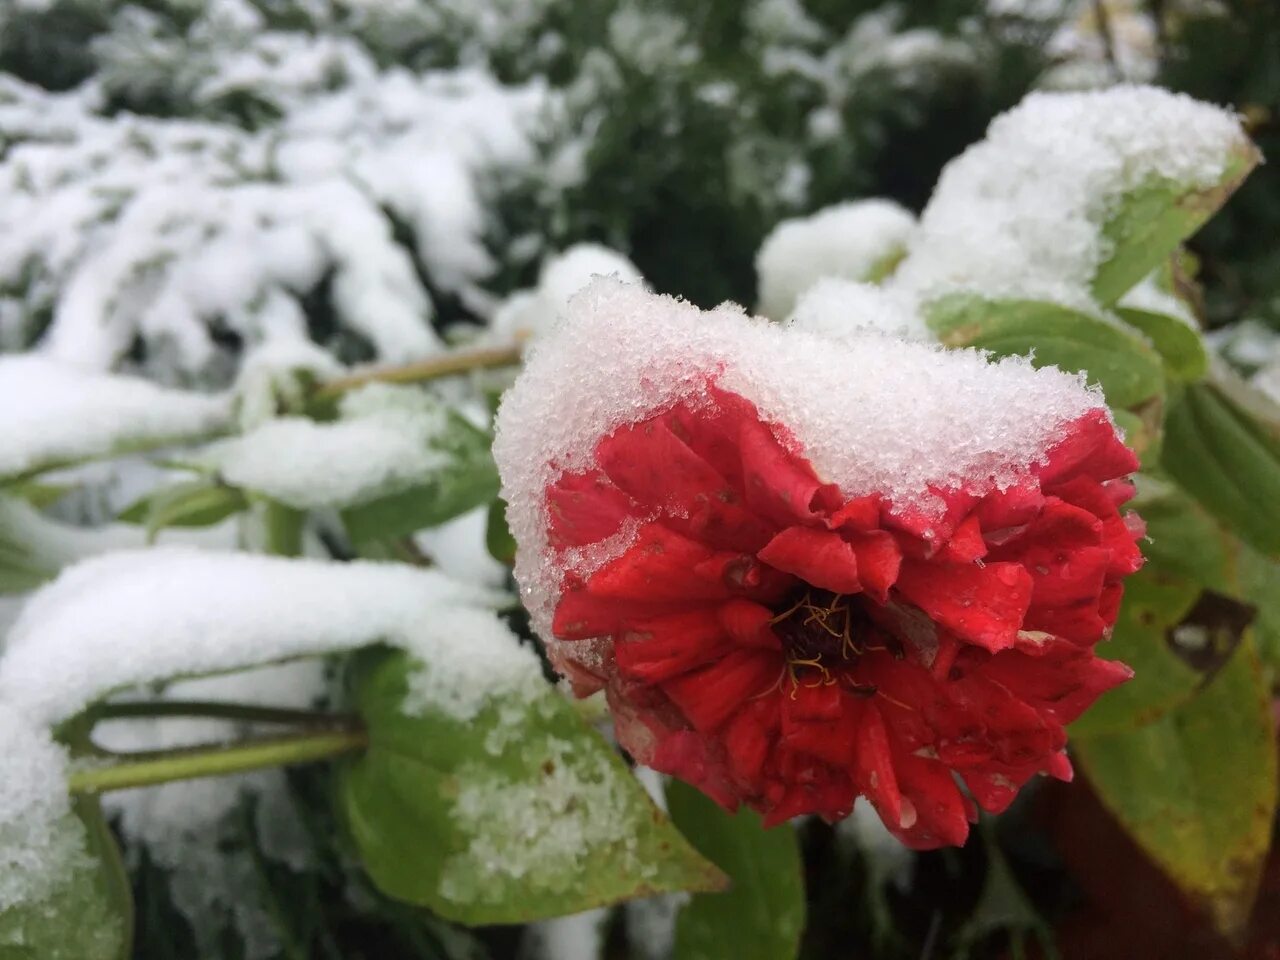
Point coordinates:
[(165, 766), (461, 361), (219, 710)]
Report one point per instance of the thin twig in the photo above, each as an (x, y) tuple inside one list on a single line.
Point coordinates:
[(445, 365)]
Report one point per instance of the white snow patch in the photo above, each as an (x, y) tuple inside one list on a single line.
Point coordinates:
[(532, 312), (845, 308), (536, 833), (34, 807), (1020, 214), (134, 617), (382, 444), (871, 414), (56, 412), (859, 240)]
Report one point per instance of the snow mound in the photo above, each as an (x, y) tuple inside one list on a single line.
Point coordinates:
[(860, 240), (1020, 214), (55, 412)]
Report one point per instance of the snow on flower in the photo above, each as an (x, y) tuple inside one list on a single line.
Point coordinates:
[(808, 569)]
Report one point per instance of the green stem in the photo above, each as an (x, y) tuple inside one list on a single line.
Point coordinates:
[(219, 710), (448, 364), (165, 766)]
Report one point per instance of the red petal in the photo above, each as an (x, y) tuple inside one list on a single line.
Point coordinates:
[(1090, 448), (878, 562), (659, 648), (815, 722), (749, 624), (711, 695), (933, 530), (941, 819), (689, 756), (1060, 680), (585, 508), (966, 544), (650, 463), (748, 738), (874, 772), (1001, 510), (659, 567), (1117, 536), (983, 605), (821, 558), (779, 486), (859, 514), (581, 616)]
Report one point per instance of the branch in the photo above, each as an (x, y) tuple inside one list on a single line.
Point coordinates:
[(214, 760), (445, 365)]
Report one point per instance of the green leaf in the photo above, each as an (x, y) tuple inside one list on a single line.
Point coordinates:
[(23, 564), (1127, 368), (1228, 460), (466, 479), (497, 535), (1179, 344), (36, 493), (519, 813), (1260, 585), (1197, 789), (89, 916), (761, 915), (1003, 905), (1149, 222), (1143, 432), (1179, 622), (196, 503), (1176, 636)]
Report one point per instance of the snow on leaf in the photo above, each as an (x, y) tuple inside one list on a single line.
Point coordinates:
[(55, 414), (1022, 214)]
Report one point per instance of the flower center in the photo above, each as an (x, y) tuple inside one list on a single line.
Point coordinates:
[(820, 631)]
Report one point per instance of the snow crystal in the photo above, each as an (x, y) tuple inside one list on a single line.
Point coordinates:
[(860, 240), (133, 617), (1020, 214), (534, 833), (534, 311), (34, 806), (382, 444), (843, 308), (56, 413), (871, 414)]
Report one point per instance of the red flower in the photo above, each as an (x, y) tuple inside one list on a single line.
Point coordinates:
[(777, 644)]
